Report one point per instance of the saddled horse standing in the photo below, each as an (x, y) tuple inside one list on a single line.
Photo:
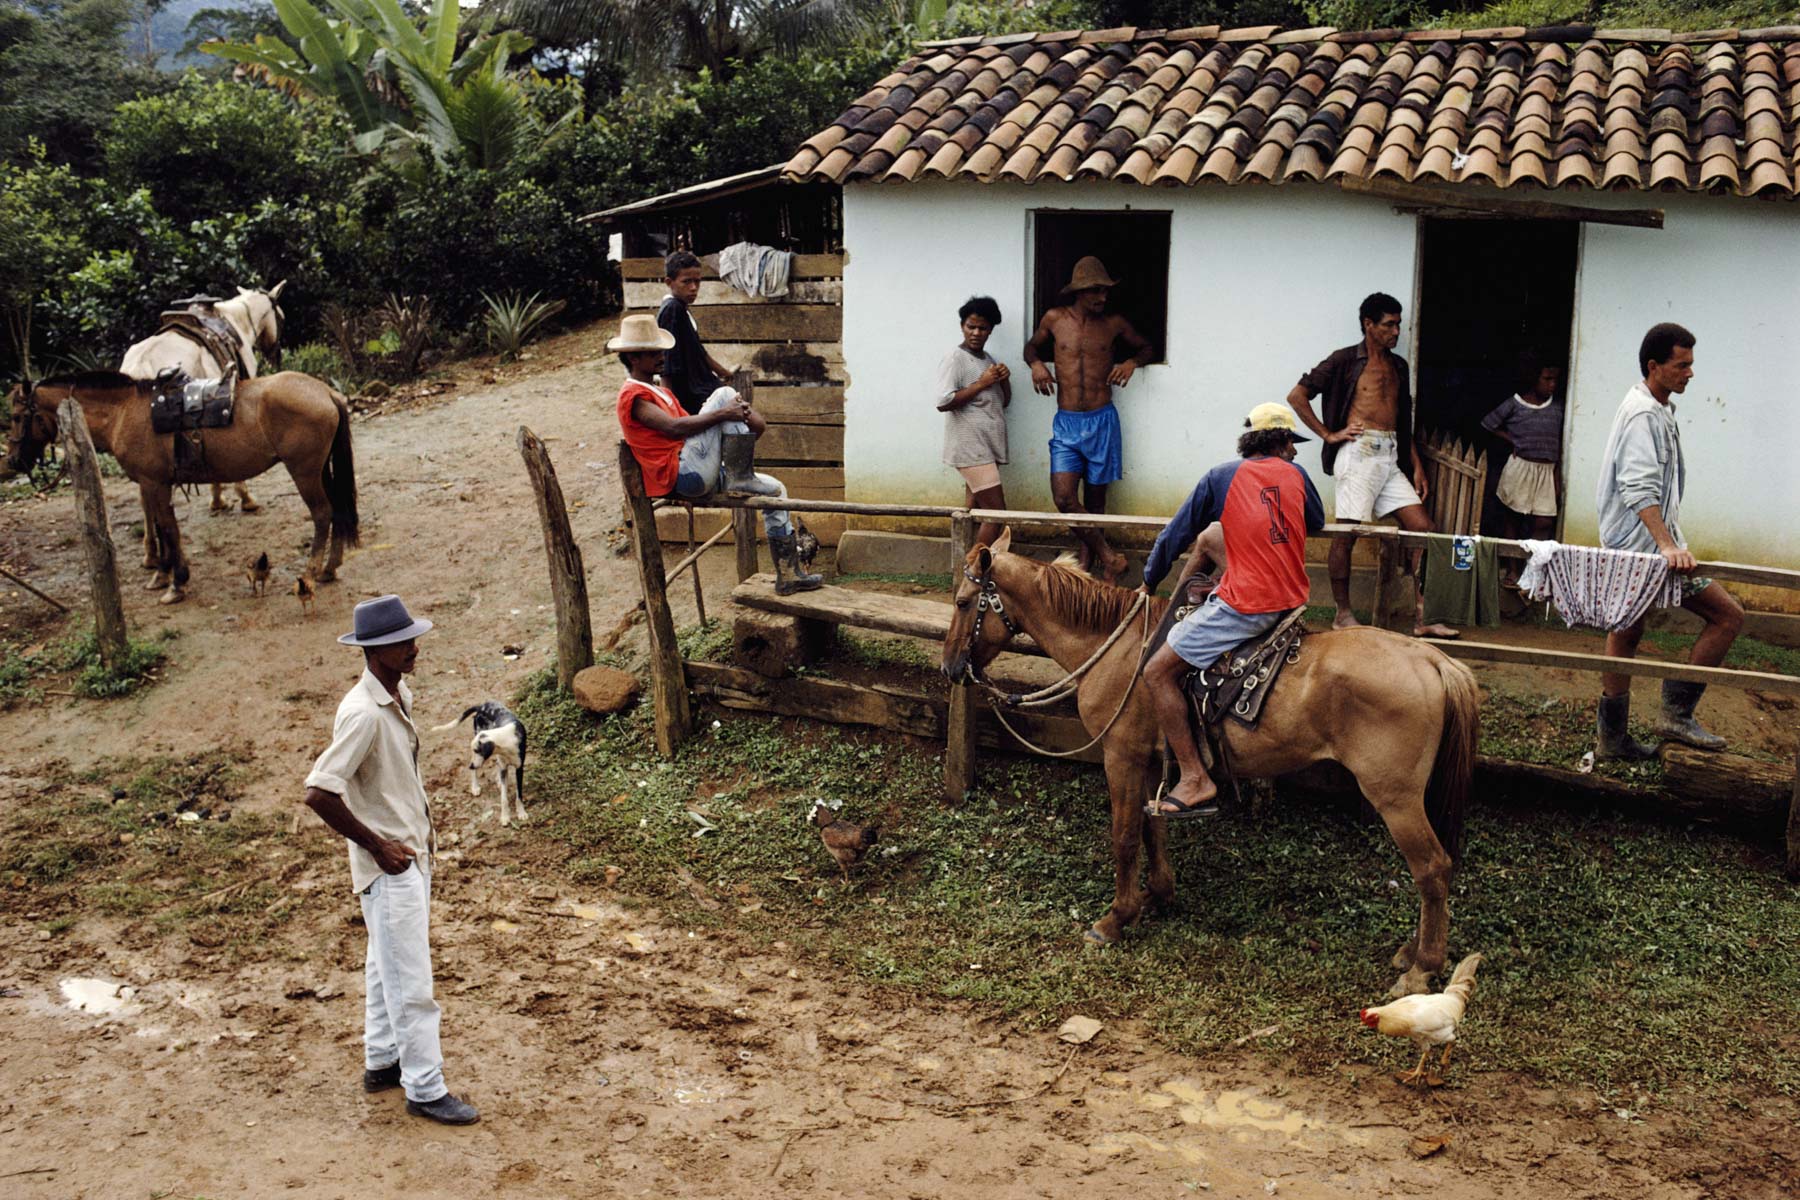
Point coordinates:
[(254, 316), (1400, 715), (286, 418)]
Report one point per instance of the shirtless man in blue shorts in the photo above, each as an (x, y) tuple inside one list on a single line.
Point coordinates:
[(1084, 437)]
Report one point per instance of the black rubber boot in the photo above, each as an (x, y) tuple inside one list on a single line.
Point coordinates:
[(737, 472), (1677, 721), (1615, 736), (790, 576)]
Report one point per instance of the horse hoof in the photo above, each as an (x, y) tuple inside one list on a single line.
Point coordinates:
[(327, 577), (157, 583), (1093, 937), (1414, 983), (172, 596), (1403, 958), (248, 505)]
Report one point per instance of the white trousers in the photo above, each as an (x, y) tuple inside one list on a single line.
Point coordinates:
[(400, 1017)]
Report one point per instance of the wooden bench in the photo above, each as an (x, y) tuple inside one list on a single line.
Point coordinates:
[(911, 616)]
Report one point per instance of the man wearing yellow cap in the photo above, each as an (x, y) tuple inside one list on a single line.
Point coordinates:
[(1084, 436), (1265, 505)]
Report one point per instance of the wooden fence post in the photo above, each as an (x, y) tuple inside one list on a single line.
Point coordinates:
[(668, 679), (1793, 826), (959, 731), (743, 520), (568, 578), (96, 538)]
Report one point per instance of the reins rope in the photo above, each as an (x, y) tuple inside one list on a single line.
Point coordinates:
[(1067, 684)]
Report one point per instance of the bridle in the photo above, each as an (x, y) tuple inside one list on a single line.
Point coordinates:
[(988, 599), (32, 427), (280, 317)]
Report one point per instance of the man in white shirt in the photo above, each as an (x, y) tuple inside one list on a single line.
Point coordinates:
[(366, 786), (1642, 475)]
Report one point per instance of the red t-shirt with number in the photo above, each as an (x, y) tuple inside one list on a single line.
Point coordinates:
[(1267, 506), (658, 454)]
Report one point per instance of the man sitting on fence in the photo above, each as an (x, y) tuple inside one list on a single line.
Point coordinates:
[(1368, 416), (1642, 475), (1265, 505), (694, 456)]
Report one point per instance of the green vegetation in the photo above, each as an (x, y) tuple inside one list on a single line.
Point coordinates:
[(936, 582), (513, 318), (1746, 654), (1612, 945), (23, 668), (113, 840)]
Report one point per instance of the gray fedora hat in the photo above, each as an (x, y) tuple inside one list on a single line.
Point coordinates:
[(382, 622)]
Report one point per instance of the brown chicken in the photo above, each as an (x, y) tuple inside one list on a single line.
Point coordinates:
[(303, 588), (847, 842), (257, 572), (1427, 1020)]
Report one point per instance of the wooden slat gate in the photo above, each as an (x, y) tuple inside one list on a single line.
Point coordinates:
[(1458, 478)]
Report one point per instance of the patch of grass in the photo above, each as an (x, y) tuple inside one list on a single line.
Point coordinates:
[(937, 582), (22, 667), (709, 641), (877, 652), (75, 848), (1557, 733), (1611, 946), (1746, 654)]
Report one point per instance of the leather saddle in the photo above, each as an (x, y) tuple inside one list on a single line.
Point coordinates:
[(182, 406), (198, 323)]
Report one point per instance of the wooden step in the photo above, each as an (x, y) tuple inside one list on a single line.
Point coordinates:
[(913, 616)]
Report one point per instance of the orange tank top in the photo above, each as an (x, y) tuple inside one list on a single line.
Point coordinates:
[(658, 454)]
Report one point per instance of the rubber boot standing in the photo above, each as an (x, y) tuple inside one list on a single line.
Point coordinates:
[(737, 457), (790, 576), (1677, 722), (1615, 735)]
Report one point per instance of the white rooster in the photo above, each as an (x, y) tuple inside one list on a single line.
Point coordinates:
[(1428, 1020)]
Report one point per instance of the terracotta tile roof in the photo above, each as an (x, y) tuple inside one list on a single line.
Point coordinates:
[(1556, 107)]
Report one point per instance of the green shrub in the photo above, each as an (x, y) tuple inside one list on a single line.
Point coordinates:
[(97, 681), (320, 361), (513, 318)]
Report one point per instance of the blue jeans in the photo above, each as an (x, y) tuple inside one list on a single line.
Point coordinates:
[(400, 1017), (697, 474)]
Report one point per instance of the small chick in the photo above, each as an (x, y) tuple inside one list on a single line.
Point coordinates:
[(847, 842), (806, 543), (303, 588), (1427, 1020), (257, 572)]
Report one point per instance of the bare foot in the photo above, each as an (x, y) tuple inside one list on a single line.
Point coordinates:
[(1436, 631), (1115, 566), (1345, 619), (1185, 797)]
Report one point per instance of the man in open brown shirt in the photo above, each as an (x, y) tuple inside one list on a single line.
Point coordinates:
[(1368, 446)]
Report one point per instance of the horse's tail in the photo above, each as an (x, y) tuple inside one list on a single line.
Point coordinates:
[(340, 479), (1447, 792)]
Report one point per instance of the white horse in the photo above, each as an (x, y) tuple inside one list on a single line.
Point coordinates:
[(255, 317)]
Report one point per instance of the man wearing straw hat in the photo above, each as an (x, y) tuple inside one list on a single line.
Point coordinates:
[(694, 456), (366, 786), (1084, 435)]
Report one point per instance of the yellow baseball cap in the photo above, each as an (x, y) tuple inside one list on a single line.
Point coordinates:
[(1275, 416)]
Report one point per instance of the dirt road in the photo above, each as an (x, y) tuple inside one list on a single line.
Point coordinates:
[(612, 1051)]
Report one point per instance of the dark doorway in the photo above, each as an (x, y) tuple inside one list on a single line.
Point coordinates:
[(1491, 292), (1135, 248)]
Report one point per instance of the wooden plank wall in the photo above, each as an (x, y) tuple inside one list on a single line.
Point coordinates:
[(793, 347)]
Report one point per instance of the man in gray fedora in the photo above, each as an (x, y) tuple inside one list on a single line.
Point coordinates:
[(366, 786)]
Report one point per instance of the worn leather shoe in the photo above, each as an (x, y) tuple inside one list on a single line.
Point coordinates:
[(382, 1080), (445, 1110)]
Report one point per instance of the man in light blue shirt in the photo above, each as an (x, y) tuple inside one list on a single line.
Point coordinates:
[(1642, 476)]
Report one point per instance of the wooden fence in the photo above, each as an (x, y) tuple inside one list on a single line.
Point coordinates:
[(793, 349), (1458, 477)]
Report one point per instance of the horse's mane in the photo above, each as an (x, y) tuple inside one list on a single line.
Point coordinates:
[(89, 379), (1071, 592)]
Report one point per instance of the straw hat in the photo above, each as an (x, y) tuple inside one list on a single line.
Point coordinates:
[(1090, 272), (1275, 416), (641, 332)]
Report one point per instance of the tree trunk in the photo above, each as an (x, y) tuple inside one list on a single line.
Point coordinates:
[(668, 683), (568, 577), (959, 739), (96, 538)]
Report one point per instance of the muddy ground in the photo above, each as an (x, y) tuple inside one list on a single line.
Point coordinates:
[(612, 1051)]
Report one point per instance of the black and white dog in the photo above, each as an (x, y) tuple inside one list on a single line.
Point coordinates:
[(499, 741)]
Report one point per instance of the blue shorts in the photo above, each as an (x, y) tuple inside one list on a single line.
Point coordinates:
[(1087, 444), (1215, 627)]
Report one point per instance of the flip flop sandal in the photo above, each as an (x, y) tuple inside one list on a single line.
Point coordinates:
[(1181, 812)]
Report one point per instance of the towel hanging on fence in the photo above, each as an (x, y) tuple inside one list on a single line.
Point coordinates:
[(756, 270), (1602, 589), (1462, 580)]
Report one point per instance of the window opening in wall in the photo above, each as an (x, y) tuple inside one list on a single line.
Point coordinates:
[(1133, 245)]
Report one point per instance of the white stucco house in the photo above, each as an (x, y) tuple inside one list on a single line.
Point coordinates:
[(1558, 190)]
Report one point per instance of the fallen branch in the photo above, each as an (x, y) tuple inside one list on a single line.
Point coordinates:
[(58, 605), (1054, 1080), (30, 1171)]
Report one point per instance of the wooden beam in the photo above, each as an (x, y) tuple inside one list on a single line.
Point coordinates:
[(1449, 202), (959, 734), (804, 266), (568, 578), (1011, 516), (1649, 668), (668, 684), (802, 405), (648, 294), (801, 443), (818, 699), (771, 322), (96, 534), (912, 616), (1793, 825), (693, 556)]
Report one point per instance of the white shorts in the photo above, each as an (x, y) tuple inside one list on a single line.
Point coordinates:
[(1528, 487), (1370, 482)]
